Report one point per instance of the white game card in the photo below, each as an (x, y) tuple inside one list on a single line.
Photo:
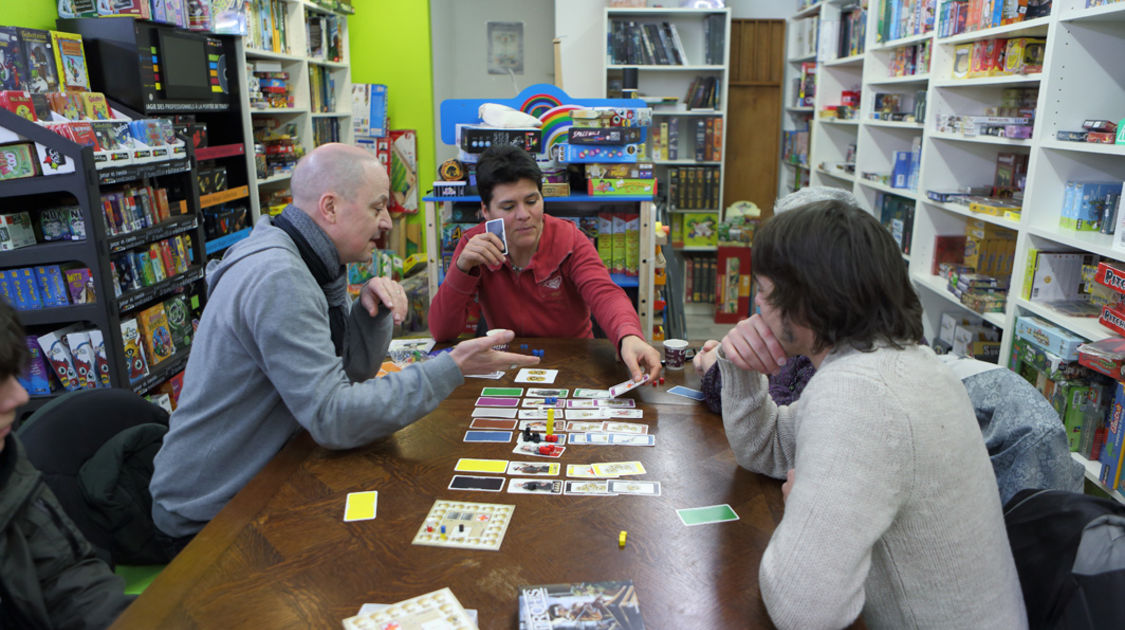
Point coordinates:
[(535, 486), (628, 439), (626, 427), (531, 449), (538, 376), (587, 414), (627, 386), (586, 426), (541, 403), (624, 413), (632, 486), (541, 425), (533, 414), (581, 471), (598, 487), (534, 469), (495, 412), (542, 392), (582, 392)]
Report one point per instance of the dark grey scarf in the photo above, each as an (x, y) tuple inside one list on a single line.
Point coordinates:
[(320, 256)]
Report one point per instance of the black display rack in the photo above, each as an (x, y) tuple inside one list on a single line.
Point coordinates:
[(84, 185)]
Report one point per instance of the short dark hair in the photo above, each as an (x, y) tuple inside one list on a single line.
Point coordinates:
[(13, 343), (505, 164), (837, 271)]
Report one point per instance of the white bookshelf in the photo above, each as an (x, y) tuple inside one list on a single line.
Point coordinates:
[(297, 63), (1083, 78), (800, 47)]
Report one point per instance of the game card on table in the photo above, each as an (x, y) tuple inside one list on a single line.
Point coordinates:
[(536, 375)]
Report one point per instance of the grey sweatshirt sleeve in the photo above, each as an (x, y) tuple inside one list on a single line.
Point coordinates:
[(760, 432), (296, 352), (366, 341)]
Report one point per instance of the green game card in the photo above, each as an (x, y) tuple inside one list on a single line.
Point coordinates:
[(706, 515), (502, 391)]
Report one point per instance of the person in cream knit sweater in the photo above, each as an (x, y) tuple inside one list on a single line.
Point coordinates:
[(892, 509)]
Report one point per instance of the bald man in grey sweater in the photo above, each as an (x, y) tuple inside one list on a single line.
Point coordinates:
[(892, 507), (281, 347)]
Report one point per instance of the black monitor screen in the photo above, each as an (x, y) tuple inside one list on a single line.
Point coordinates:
[(183, 66)]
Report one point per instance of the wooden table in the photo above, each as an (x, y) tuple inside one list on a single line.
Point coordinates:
[(280, 556)]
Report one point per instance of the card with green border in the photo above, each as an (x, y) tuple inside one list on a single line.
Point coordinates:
[(502, 391), (707, 515)]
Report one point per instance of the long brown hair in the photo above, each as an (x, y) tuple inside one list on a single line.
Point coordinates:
[(836, 270)]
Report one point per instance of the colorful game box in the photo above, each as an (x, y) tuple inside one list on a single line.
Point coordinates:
[(59, 358), (179, 320), (13, 63), (153, 322), (581, 604), (37, 380), (97, 342), (80, 286), (134, 349), (85, 364), (70, 61), (18, 159)]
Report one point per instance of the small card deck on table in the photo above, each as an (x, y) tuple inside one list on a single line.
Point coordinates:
[(439, 609), (467, 525)]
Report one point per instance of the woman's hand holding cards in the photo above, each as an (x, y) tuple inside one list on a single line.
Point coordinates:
[(484, 248)]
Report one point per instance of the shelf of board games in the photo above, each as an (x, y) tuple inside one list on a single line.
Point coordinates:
[(303, 68), (437, 208), (83, 187)]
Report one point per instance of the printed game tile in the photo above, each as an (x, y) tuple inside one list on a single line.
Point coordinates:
[(497, 401), (543, 392), (477, 483), (535, 486), (507, 392), (496, 424), (439, 609), (533, 469), (484, 525), (538, 376)]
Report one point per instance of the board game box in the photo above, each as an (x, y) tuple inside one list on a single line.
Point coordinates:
[(591, 605), (156, 334)]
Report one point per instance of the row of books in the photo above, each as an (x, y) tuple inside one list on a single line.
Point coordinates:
[(694, 187), (664, 142), (699, 279), (805, 85), (322, 89), (266, 25), (220, 16), (715, 37), (960, 16), (41, 61), (904, 18), (896, 213), (325, 36), (907, 61), (795, 145), (60, 223), (133, 270), (852, 34), (703, 93), (46, 286), (648, 44), (133, 208), (325, 130), (804, 37)]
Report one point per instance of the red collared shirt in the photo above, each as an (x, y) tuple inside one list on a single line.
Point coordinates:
[(552, 297)]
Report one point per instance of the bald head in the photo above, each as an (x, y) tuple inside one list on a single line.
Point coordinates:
[(334, 168), (813, 194)]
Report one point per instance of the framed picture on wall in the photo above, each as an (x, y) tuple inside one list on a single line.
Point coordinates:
[(505, 47)]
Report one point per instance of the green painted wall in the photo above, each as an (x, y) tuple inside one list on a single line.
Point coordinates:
[(28, 13), (390, 44)]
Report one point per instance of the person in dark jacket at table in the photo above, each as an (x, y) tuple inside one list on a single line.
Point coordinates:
[(49, 575)]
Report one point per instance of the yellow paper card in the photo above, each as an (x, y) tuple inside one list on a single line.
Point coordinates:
[(361, 506), (616, 469), (481, 465)]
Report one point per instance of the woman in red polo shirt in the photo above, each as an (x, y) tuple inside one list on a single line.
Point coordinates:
[(549, 281)]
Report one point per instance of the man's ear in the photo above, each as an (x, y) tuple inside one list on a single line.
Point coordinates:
[(481, 212), (326, 205)]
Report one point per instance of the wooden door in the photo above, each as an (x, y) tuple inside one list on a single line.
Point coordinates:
[(757, 67)]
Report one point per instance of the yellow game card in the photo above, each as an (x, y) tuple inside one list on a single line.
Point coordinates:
[(616, 469), (361, 506), (466, 464)]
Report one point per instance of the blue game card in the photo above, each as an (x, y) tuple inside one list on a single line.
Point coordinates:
[(686, 392), (488, 436)]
